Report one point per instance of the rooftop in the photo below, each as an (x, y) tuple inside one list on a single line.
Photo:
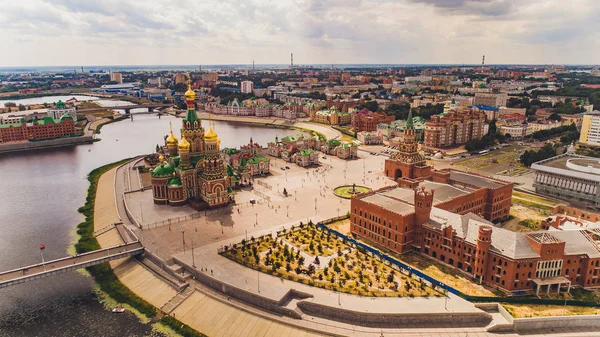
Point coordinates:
[(475, 180), (571, 165)]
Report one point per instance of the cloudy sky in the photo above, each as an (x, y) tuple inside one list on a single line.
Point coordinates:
[(155, 32)]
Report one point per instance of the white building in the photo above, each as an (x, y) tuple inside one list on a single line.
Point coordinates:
[(61, 110), (590, 129), (517, 131), (246, 87)]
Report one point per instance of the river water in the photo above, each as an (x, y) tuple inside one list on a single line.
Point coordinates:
[(40, 192)]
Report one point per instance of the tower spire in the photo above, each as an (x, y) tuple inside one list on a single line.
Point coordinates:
[(409, 121)]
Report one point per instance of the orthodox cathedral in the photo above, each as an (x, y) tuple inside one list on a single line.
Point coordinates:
[(191, 169)]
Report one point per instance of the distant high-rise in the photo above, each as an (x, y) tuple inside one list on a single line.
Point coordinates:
[(292, 61), (116, 77), (246, 87)]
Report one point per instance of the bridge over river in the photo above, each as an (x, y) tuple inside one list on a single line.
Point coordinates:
[(66, 264), (127, 108)]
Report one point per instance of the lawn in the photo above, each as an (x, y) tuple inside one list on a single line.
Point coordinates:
[(446, 275), (535, 198), (527, 310), (308, 255), (348, 191)]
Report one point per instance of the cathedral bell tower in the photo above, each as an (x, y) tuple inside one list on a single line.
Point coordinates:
[(191, 127)]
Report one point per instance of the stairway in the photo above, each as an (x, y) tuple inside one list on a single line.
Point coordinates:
[(177, 300)]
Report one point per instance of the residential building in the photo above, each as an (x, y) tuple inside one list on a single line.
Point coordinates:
[(212, 77), (370, 138), (116, 77), (180, 78), (332, 117), (246, 87), (496, 100), (590, 129), (365, 120), (516, 131), (454, 128), (547, 124)]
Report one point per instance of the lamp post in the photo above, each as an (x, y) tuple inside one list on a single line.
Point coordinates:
[(42, 247), (183, 239), (142, 211), (193, 257), (287, 212), (256, 215), (258, 279)]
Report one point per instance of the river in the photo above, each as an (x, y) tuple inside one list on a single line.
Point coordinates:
[(40, 192)]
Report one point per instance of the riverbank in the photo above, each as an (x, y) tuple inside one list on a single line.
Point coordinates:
[(117, 277), (45, 144)]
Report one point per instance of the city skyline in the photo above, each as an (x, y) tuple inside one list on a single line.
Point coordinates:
[(334, 32)]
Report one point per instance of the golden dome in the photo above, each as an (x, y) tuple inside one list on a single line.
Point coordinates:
[(184, 144), (161, 158), (190, 95), (171, 140), (211, 134)]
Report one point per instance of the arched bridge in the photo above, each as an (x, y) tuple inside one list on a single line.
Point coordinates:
[(127, 108), (66, 264)]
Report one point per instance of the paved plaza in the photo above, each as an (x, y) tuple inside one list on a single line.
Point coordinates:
[(310, 197)]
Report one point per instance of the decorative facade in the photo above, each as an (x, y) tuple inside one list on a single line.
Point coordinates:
[(405, 220), (407, 162), (192, 169), (38, 129), (365, 120), (331, 117)]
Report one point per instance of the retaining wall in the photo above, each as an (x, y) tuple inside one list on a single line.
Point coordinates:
[(237, 293), (388, 320), (44, 144)]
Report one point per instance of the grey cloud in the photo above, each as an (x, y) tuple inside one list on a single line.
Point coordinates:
[(475, 7)]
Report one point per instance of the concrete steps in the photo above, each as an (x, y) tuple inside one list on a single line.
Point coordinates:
[(177, 300)]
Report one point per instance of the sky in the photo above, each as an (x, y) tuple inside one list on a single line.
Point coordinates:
[(177, 32)]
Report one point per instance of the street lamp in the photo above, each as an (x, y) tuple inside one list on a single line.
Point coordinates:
[(256, 214), (287, 213), (142, 211), (183, 238), (42, 247), (193, 258)]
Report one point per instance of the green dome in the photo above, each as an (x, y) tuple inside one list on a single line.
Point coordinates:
[(60, 104), (163, 170), (174, 182), (65, 116)]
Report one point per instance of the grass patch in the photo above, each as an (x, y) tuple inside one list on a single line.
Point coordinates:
[(534, 225), (531, 204), (312, 132), (534, 198), (180, 328), (116, 119), (446, 275), (537, 310)]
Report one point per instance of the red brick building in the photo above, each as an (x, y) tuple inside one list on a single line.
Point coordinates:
[(365, 120), (46, 128), (404, 220), (407, 162), (455, 128)]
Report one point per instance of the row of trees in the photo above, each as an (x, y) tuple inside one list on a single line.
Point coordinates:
[(531, 156), (545, 134), (492, 137)]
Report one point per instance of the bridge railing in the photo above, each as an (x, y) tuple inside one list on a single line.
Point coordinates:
[(136, 244)]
